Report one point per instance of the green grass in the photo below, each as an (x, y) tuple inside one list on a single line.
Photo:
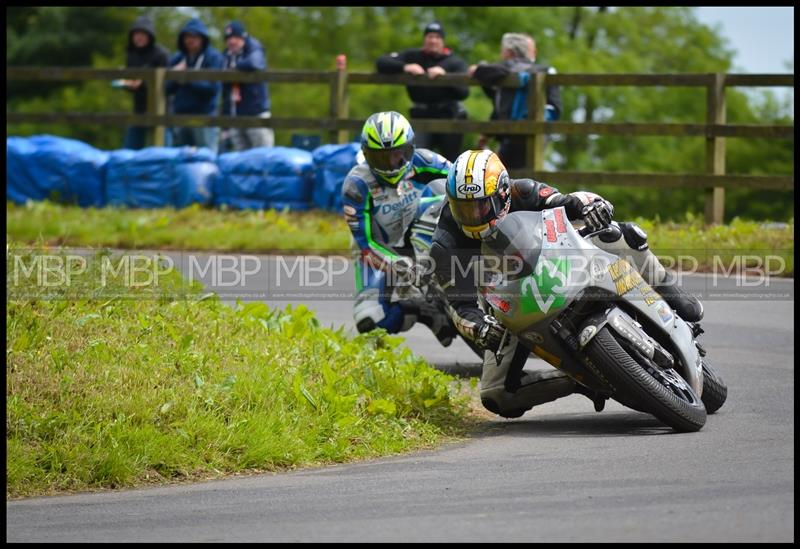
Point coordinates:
[(756, 244), (113, 392), (192, 228), (198, 228)]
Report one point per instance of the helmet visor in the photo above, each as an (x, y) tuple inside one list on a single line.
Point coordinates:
[(389, 161), (476, 213)]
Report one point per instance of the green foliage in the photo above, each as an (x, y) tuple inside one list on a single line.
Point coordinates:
[(572, 39), (120, 392)]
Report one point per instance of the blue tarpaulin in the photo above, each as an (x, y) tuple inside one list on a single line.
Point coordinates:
[(331, 164), (265, 177), (157, 177), (48, 167), (67, 170)]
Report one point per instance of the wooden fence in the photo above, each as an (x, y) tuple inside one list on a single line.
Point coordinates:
[(715, 129)]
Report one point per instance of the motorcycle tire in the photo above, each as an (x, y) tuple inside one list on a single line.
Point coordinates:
[(715, 392), (671, 401)]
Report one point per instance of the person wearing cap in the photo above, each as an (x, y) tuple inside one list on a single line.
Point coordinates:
[(142, 52), (245, 53), (196, 96), (518, 53), (442, 102)]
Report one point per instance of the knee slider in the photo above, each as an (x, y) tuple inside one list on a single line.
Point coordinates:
[(365, 325), (368, 312)]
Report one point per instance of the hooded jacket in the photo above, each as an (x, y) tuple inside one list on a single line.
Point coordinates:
[(510, 103), (197, 97), (255, 95), (152, 55)]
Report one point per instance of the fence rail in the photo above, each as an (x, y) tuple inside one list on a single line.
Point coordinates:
[(715, 129)]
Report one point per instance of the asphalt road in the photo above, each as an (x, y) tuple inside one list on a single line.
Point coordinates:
[(561, 472)]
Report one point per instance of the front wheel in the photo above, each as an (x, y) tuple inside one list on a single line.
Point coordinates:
[(661, 392)]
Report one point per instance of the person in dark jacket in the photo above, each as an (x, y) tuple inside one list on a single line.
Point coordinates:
[(195, 97), (245, 53), (143, 52), (518, 52), (433, 59)]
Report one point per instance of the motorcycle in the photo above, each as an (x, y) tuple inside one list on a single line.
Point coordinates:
[(590, 314)]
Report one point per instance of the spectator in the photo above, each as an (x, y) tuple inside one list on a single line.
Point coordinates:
[(245, 53), (143, 52), (433, 59), (518, 52), (195, 97)]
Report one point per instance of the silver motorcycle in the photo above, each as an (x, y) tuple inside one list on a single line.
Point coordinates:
[(590, 314)]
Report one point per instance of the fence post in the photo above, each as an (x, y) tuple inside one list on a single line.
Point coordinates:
[(535, 143), (339, 100), (156, 103), (715, 149)]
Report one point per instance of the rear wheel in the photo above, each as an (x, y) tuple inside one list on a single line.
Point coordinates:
[(661, 392), (715, 392)]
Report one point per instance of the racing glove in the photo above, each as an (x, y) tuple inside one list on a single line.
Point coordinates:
[(598, 214), (490, 334)]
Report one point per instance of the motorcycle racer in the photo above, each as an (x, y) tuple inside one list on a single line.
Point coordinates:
[(382, 197), (480, 193)]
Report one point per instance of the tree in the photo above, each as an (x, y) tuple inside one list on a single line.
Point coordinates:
[(572, 39)]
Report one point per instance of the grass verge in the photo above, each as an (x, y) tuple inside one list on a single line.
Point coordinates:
[(192, 228), (119, 392), (197, 228)]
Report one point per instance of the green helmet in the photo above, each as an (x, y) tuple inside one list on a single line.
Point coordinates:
[(387, 142)]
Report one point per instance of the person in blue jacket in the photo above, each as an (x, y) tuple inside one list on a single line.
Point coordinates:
[(382, 197), (195, 97), (245, 53)]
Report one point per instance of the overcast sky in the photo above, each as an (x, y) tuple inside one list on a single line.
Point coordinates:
[(762, 37)]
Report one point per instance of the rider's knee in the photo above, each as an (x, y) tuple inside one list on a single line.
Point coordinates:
[(499, 401), (368, 313), (634, 236)]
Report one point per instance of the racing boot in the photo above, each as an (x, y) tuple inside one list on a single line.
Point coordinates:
[(508, 391), (685, 304), (440, 324), (435, 319)]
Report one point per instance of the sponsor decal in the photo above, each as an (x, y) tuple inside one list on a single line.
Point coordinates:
[(407, 199), (561, 226), (491, 185), (587, 334), (664, 312), (498, 303), (626, 278), (547, 191), (550, 230), (649, 294), (597, 269), (468, 188), (546, 288)]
